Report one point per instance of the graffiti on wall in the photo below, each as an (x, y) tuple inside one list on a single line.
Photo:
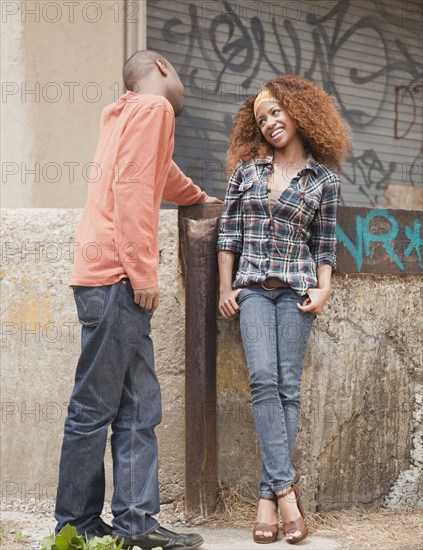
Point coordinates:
[(408, 103), (379, 240), (333, 30)]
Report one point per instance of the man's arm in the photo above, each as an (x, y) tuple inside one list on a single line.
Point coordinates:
[(134, 189), (181, 190)]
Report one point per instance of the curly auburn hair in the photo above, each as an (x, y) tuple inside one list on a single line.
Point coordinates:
[(314, 112)]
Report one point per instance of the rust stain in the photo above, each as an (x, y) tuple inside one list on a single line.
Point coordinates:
[(232, 374), (30, 312)]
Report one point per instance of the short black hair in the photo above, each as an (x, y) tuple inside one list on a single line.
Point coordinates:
[(137, 66)]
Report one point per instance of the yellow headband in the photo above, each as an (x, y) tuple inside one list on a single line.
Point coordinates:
[(264, 95)]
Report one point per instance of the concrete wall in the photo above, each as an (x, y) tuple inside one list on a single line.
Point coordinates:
[(361, 437), (360, 440), (40, 348), (61, 64)]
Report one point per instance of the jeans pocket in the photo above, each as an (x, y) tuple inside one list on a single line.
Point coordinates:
[(241, 295), (89, 304)]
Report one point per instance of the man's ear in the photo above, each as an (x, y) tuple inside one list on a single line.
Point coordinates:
[(161, 66)]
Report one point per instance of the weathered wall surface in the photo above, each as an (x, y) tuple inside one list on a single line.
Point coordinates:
[(361, 393), (40, 341), (17, 147), (360, 440), (61, 65)]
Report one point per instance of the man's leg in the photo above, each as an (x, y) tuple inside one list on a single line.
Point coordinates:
[(94, 403), (134, 446)]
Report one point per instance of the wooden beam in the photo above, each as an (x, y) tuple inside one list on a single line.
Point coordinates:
[(199, 229)]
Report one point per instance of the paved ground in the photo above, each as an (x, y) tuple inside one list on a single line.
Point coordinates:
[(22, 525), (234, 539)]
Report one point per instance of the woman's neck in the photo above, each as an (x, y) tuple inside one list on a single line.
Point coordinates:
[(294, 153)]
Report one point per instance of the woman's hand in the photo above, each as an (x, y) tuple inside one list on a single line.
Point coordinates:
[(316, 301), (227, 303)]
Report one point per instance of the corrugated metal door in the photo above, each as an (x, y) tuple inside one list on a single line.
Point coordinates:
[(366, 53)]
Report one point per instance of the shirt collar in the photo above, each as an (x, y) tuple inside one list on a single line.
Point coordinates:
[(310, 164)]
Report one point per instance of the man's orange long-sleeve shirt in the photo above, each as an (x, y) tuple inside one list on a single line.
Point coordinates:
[(133, 171)]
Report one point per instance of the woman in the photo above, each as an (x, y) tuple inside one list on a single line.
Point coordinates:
[(279, 217)]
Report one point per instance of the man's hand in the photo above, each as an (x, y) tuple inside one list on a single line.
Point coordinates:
[(212, 200), (148, 298)]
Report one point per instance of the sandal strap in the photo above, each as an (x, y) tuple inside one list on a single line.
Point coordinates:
[(287, 492), (294, 488), (296, 525)]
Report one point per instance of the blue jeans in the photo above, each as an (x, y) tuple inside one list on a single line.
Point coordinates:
[(115, 384), (275, 335)]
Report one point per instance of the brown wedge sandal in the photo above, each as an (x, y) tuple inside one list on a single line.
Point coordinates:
[(298, 524), (274, 529)]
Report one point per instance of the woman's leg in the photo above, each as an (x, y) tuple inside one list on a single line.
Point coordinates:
[(293, 331), (259, 334)]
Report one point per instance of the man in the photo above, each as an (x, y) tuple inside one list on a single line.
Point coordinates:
[(116, 292)]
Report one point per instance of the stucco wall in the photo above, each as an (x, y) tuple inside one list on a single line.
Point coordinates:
[(40, 347), (61, 65), (361, 438)]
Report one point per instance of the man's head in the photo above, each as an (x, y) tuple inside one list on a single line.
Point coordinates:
[(148, 72)]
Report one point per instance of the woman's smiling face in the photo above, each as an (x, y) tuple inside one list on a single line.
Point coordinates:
[(275, 124)]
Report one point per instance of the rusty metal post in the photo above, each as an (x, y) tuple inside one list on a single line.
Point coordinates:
[(198, 227)]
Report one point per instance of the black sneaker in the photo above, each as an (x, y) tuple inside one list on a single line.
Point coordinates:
[(166, 539), (101, 530)]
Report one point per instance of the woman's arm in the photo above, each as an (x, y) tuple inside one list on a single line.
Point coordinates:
[(323, 248), (323, 225), (229, 243), (324, 276), (227, 301), (318, 297)]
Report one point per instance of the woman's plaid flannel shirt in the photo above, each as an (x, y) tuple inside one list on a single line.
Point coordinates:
[(304, 222)]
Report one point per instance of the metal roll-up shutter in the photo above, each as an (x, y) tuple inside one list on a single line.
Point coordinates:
[(366, 53)]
